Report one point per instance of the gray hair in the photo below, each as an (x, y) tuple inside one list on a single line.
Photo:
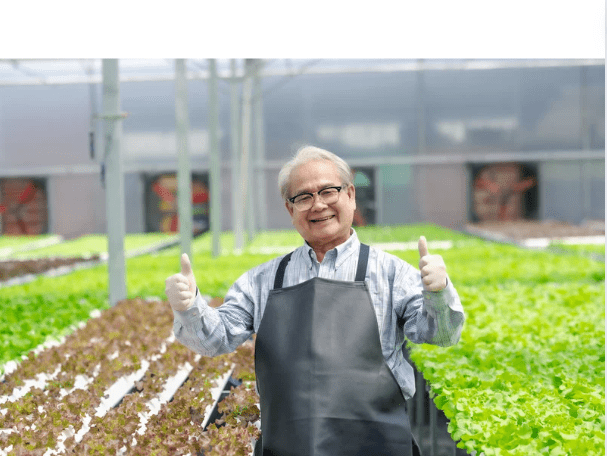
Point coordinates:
[(306, 154)]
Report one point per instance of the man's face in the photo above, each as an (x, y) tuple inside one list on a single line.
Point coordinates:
[(322, 226)]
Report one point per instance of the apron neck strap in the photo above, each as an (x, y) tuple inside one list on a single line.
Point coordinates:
[(280, 273), (363, 256), (361, 270)]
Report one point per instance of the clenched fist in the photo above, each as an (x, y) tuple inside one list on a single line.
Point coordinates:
[(432, 268), (181, 288)]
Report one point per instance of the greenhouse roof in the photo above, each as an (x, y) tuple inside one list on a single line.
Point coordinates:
[(78, 71)]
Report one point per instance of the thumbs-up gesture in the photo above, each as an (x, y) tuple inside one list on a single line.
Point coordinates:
[(181, 288), (432, 268)]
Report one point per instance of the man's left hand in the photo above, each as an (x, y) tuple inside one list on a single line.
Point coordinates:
[(432, 268)]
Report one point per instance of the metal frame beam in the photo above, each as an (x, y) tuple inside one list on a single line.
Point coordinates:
[(428, 65), (114, 181), (184, 173), (477, 157), (214, 160)]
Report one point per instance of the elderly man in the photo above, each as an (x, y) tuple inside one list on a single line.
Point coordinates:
[(331, 319)]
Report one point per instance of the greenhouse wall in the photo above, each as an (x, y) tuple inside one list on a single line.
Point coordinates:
[(442, 194), (76, 205), (573, 191), (415, 137), (397, 201)]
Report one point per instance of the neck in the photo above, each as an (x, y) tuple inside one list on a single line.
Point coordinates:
[(320, 254), (321, 249)]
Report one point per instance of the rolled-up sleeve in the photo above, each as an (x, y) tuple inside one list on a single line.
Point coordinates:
[(214, 331), (446, 309), (433, 317)]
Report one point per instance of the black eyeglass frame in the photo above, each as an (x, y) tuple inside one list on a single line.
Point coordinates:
[(338, 188)]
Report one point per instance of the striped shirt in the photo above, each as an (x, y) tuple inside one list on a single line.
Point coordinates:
[(402, 307)]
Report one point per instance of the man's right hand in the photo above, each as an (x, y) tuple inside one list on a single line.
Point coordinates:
[(181, 288)]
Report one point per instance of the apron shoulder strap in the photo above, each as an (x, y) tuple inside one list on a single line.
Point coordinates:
[(363, 257), (280, 273)]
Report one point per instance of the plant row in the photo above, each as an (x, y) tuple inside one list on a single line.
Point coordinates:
[(11, 245), (24, 262), (18, 268), (90, 245), (509, 294), (527, 376), (119, 385)]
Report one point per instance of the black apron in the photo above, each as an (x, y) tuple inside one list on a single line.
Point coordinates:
[(324, 386)]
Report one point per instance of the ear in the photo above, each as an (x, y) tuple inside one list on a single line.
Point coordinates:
[(289, 208), (351, 191)]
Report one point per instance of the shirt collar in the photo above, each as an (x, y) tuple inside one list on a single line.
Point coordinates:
[(342, 251)]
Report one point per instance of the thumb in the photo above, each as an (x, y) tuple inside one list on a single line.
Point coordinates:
[(186, 267), (422, 245)]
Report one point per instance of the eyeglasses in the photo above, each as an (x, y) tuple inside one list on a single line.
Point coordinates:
[(304, 201)]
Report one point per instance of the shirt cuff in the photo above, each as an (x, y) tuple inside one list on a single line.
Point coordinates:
[(193, 314), (438, 302)]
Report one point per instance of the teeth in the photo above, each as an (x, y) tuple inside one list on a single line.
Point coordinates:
[(323, 219)]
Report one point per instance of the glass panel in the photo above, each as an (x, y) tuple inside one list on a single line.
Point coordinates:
[(593, 79), (353, 115), (398, 195), (514, 109)]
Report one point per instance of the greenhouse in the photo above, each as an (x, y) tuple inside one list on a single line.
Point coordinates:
[(111, 169)]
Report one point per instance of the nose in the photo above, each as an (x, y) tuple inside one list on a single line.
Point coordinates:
[(318, 203)]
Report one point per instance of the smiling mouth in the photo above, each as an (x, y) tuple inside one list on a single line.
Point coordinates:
[(322, 219)]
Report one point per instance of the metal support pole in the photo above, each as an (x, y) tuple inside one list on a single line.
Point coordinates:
[(214, 171), (421, 171), (433, 429), (114, 190), (245, 171), (379, 194), (184, 174), (260, 153), (585, 133), (419, 403), (421, 109), (93, 135), (95, 141), (237, 203)]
